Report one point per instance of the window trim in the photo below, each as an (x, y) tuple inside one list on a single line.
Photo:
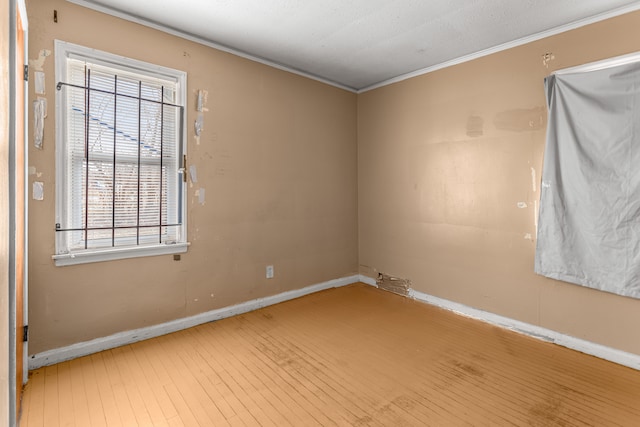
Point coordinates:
[(63, 256)]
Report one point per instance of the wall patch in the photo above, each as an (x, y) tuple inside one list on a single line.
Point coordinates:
[(39, 82), (534, 180), (38, 190), (193, 173), (200, 194), (39, 114), (475, 126), (393, 284), (38, 63)]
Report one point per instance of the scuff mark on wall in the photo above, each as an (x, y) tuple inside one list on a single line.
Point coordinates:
[(475, 126), (38, 63), (528, 236), (521, 120), (223, 162), (393, 284), (522, 205)]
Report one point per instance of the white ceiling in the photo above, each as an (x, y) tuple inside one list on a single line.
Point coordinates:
[(359, 44)]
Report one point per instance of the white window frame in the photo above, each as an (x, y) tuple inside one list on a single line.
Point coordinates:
[(65, 256)]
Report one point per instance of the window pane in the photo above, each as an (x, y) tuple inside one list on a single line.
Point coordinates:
[(122, 158)]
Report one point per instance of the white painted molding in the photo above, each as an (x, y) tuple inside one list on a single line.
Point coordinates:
[(90, 4), (73, 351), (188, 36), (519, 42), (368, 280), (611, 354), (603, 352), (58, 355)]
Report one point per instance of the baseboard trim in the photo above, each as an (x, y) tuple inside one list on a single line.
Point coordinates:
[(73, 351), (368, 280), (603, 352)]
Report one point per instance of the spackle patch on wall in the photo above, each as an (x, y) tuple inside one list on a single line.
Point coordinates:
[(193, 174), (39, 114), (200, 195), (39, 82), (34, 171), (475, 126), (534, 180), (38, 190), (198, 126), (547, 57), (38, 63), (393, 284), (202, 97)]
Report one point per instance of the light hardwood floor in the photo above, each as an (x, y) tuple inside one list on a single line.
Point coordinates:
[(353, 356)]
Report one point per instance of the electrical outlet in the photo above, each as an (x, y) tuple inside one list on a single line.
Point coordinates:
[(269, 271)]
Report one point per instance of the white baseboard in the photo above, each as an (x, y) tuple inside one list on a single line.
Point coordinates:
[(603, 352), (368, 280), (62, 354), (73, 351)]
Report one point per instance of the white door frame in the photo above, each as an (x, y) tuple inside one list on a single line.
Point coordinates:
[(25, 295), (16, 6)]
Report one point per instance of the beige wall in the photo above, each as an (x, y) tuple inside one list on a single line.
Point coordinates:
[(4, 212), (277, 159), (443, 161), (432, 187)]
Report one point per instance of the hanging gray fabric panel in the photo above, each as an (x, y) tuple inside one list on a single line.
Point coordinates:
[(589, 221)]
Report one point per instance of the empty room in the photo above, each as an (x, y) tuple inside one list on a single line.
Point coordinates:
[(296, 213)]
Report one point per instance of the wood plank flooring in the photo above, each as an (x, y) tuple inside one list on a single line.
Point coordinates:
[(352, 356)]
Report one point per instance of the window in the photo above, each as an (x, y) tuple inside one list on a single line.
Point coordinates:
[(589, 223), (119, 157)]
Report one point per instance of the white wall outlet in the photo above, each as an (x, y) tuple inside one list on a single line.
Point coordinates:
[(269, 271)]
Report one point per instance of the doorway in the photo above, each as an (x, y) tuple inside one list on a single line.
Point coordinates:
[(17, 202)]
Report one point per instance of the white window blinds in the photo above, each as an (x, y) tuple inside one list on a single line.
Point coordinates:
[(120, 157)]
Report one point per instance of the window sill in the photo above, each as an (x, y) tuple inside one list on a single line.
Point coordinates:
[(111, 254)]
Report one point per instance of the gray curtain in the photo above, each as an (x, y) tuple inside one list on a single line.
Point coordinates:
[(589, 221)]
